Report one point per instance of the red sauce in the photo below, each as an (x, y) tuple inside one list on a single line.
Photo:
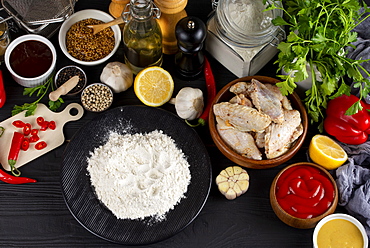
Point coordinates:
[(30, 59), (304, 191)]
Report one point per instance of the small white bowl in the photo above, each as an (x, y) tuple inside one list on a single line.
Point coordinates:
[(30, 82), (350, 218), (85, 14)]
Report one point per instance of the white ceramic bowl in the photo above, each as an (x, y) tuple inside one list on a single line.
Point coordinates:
[(30, 82), (343, 217), (85, 14)]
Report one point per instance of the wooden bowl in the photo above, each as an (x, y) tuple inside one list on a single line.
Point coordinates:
[(300, 222), (225, 95)]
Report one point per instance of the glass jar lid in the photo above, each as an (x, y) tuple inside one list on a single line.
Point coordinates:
[(245, 23)]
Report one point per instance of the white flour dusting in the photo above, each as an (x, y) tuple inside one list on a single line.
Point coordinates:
[(139, 175)]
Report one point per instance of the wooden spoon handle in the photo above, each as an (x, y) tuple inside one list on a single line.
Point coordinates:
[(64, 88), (99, 27)]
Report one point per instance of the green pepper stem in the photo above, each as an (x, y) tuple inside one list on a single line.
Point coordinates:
[(14, 170)]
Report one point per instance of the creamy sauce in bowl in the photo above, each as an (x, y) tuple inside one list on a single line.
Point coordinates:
[(340, 231)]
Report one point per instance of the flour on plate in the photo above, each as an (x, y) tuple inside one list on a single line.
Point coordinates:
[(139, 175)]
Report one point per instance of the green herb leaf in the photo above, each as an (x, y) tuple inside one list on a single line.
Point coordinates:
[(319, 33), (54, 105), (40, 91)]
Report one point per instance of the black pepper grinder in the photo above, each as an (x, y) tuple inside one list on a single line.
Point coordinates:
[(190, 34)]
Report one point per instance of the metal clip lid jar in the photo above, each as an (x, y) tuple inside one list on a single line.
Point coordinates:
[(245, 23), (142, 36)]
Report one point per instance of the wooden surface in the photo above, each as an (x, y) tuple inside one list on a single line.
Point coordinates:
[(35, 215)]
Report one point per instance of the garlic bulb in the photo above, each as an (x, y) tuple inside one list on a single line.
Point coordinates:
[(117, 76), (189, 103), (233, 182)]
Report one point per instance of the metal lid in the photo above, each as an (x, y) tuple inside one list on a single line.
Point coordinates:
[(245, 22)]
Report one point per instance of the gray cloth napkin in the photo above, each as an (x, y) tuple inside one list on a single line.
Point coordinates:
[(353, 181), (353, 178), (361, 51)]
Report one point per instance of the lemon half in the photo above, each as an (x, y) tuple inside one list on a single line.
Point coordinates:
[(326, 152), (153, 86)]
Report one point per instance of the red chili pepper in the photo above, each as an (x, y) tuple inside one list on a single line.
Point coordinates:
[(25, 144), (40, 120), (350, 129), (34, 132), (40, 145), (211, 93), (5, 177), (14, 152), (44, 126), (52, 125), (34, 138), (18, 123), (27, 129), (2, 90)]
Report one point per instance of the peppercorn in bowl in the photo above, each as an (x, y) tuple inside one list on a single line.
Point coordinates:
[(254, 125), (66, 73), (97, 97), (80, 45)]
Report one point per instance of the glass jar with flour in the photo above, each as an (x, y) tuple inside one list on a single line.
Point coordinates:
[(240, 35)]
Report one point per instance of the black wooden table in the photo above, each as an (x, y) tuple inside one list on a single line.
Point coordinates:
[(35, 215)]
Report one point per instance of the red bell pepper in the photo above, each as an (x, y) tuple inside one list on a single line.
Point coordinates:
[(2, 91), (350, 129)]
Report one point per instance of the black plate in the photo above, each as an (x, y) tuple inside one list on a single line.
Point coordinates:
[(93, 215)]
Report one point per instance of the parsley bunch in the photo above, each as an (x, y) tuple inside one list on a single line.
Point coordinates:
[(40, 91), (319, 33)]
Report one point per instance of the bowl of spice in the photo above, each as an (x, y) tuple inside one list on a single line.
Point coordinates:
[(338, 230), (97, 97), (302, 194), (80, 45), (66, 73), (30, 59)]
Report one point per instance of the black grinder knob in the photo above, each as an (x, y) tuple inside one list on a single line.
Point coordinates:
[(190, 33)]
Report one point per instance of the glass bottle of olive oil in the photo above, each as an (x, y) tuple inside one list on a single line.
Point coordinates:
[(142, 36)]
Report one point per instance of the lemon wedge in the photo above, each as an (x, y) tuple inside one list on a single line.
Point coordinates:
[(326, 152), (153, 86)]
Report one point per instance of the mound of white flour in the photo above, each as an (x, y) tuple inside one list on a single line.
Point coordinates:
[(139, 175)]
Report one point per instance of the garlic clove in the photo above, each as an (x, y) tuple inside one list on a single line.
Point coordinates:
[(230, 171), (223, 187), (230, 194), (244, 185), (233, 182), (189, 103), (118, 76), (220, 179)]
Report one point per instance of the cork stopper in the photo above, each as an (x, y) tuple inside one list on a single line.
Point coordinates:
[(171, 6)]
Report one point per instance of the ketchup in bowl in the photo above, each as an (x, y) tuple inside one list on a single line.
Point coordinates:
[(304, 191)]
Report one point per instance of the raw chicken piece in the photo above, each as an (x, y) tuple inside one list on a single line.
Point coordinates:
[(242, 100), (239, 88), (274, 89), (241, 142), (242, 117), (222, 123), (286, 103), (266, 101), (260, 139), (279, 137)]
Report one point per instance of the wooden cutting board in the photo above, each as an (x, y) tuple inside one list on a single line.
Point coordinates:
[(53, 138)]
